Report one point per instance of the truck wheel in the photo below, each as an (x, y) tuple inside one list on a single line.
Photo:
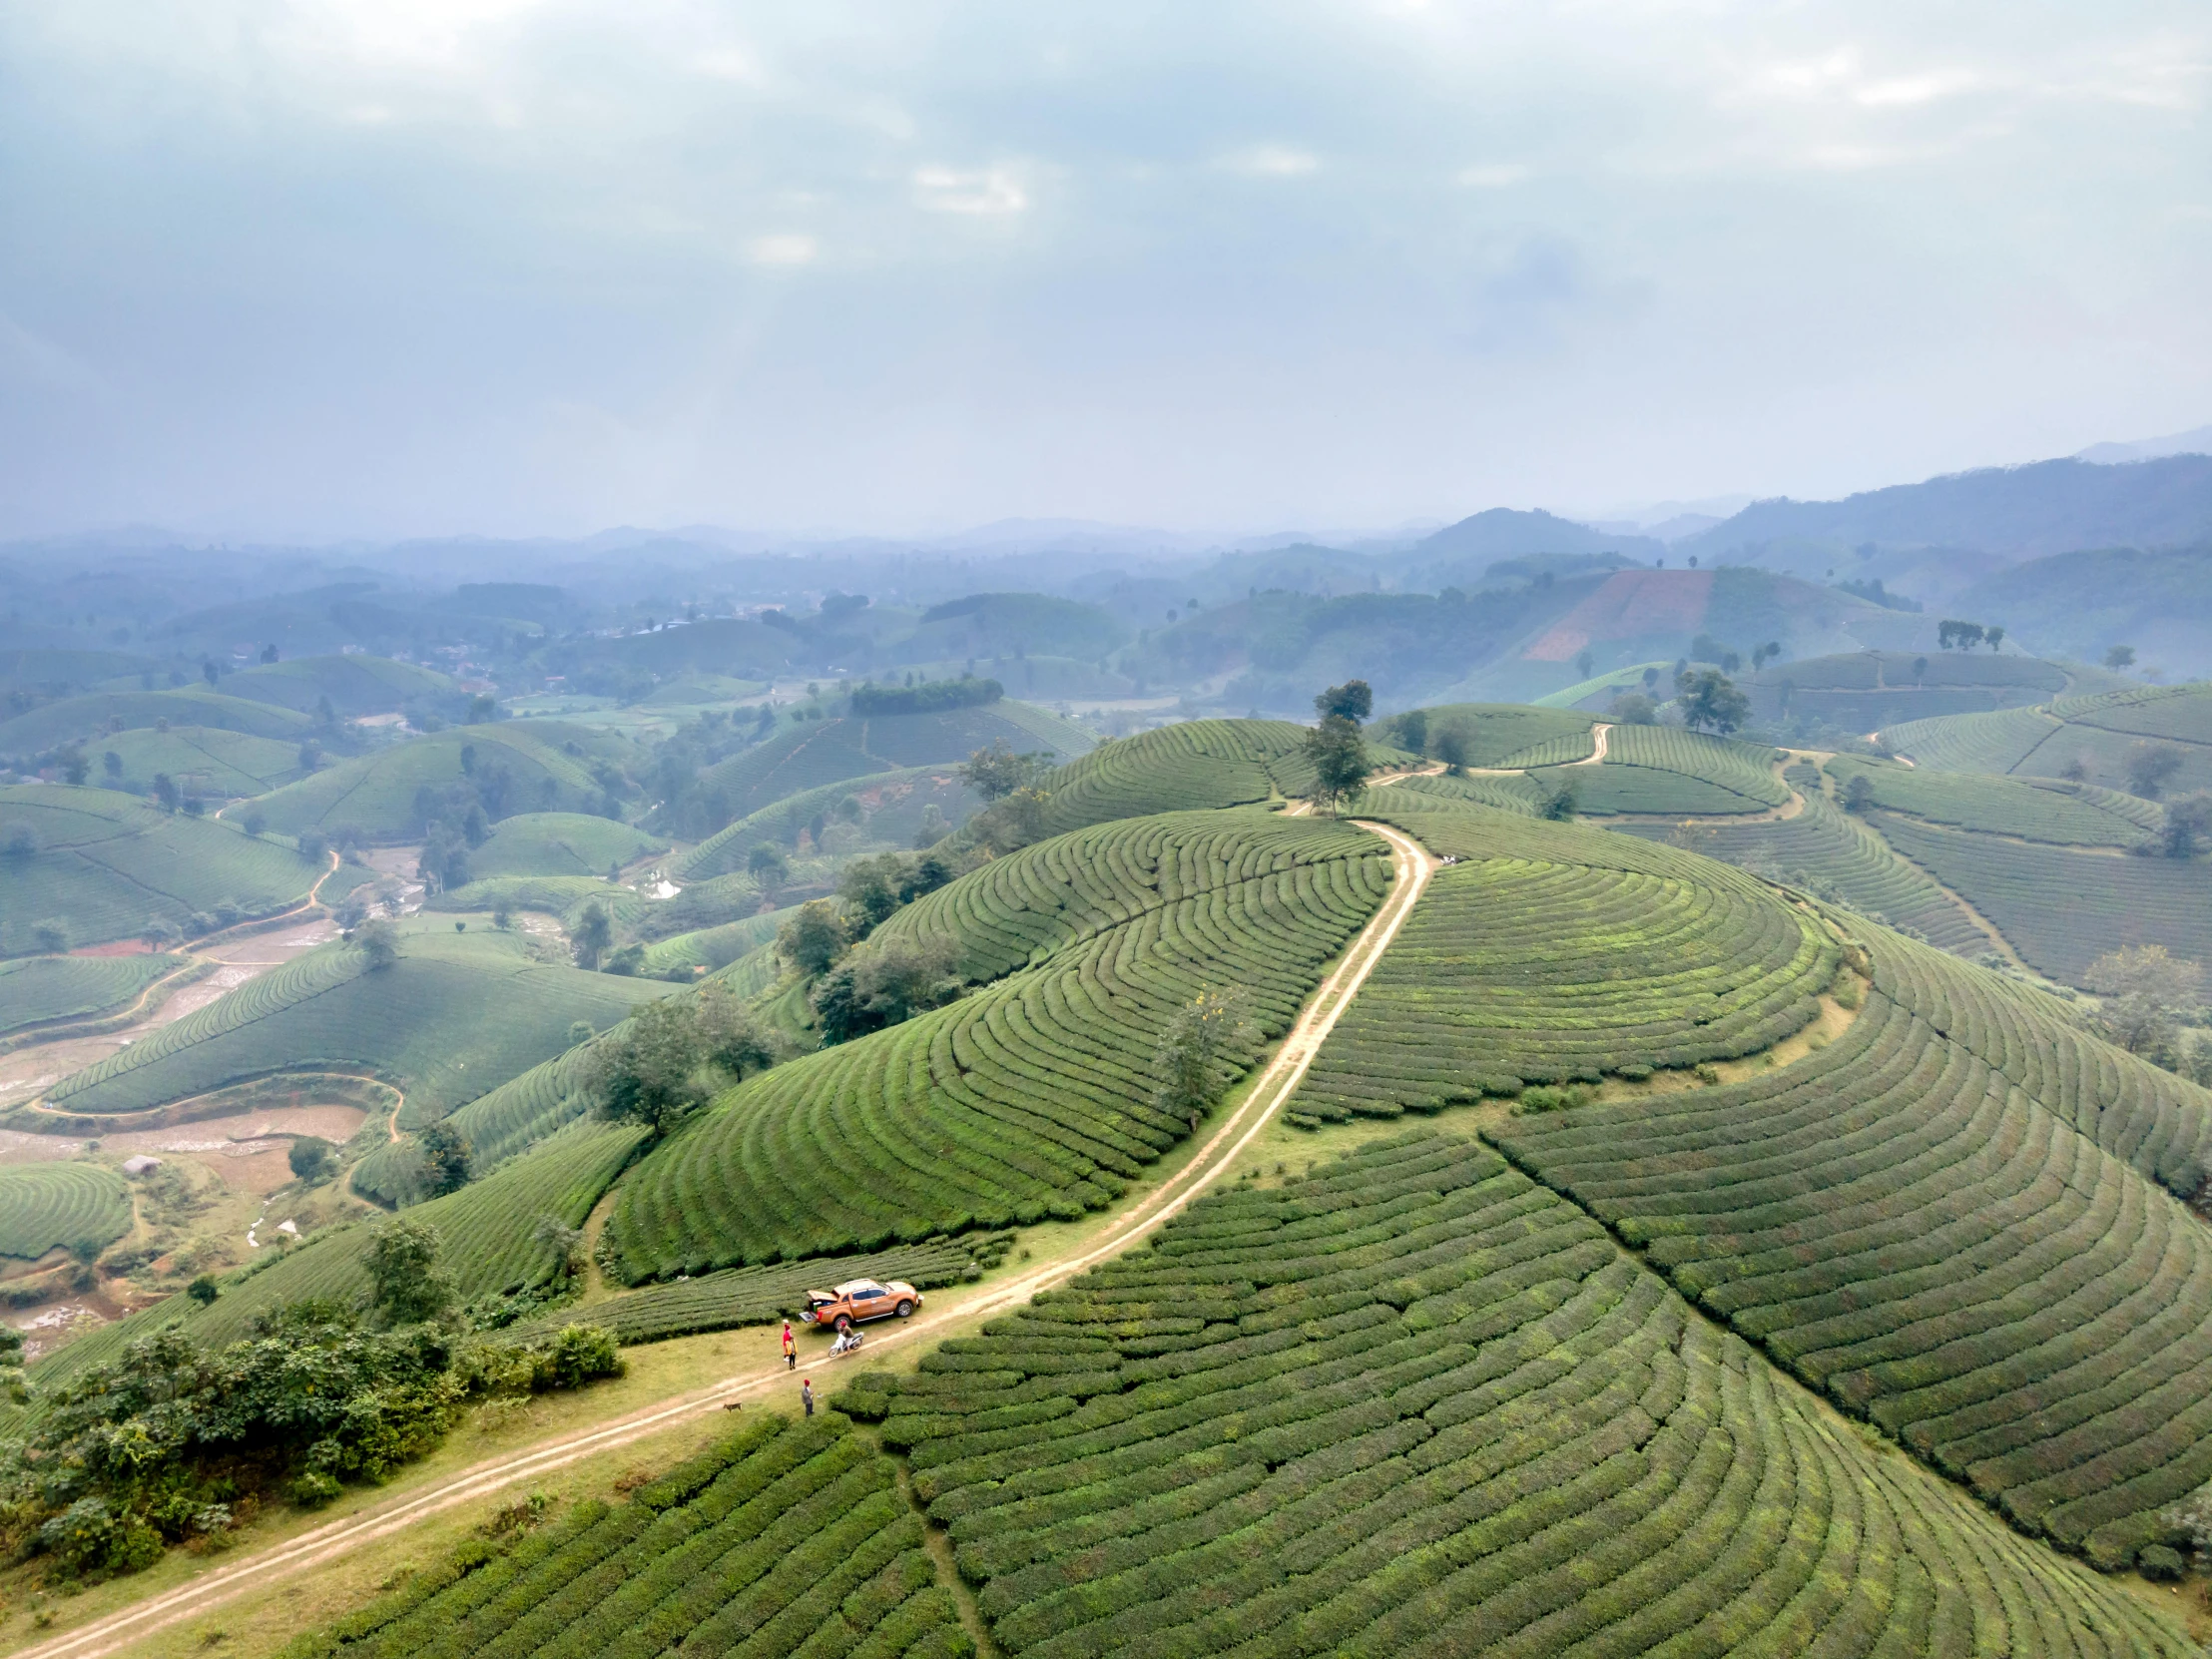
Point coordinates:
[(844, 1324), (904, 1310)]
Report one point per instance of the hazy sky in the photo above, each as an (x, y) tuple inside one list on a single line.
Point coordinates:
[(387, 267)]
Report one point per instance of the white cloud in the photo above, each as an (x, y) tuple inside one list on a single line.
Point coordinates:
[(789, 248), (990, 191), (1272, 161), (1494, 174)]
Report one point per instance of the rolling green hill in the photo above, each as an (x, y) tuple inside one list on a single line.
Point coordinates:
[(52, 672), (89, 718), (513, 767), (1551, 953), (45, 1206), (2036, 810), (1004, 624), (559, 844), (455, 1016), (1663, 769), (201, 760), (1200, 763), (356, 685), (1862, 691), (814, 753), (106, 867), (1033, 1095), (1414, 1404), (41, 990), (892, 808), (2095, 737)]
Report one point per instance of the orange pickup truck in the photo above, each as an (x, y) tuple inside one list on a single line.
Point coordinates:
[(858, 1300)]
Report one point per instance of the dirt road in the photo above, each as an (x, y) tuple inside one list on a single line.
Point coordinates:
[(1277, 1081)]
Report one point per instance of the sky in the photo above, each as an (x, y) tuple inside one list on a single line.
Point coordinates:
[(326, 268)]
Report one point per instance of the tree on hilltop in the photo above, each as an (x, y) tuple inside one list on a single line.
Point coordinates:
[(1190, 1050), (1708, 699), (1339, 759), (1354, 701)]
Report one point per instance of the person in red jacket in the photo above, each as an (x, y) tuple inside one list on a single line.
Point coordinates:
[(791, 1348)]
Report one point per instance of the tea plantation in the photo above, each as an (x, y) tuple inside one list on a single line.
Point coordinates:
[(1414, 1402), (1200, 763), (104, 866), (87, 718), (2099, 732), (894, 804), (49, 1206), (44, 990), (786, 1538), (2041, 810), (2061, 910), (452, 1018), (531, 765), (1944, 1220), (1552, 953), (355, 685), (1838, 857), (1031, 1096), (559, 844), (1663, 769), (202, 761)]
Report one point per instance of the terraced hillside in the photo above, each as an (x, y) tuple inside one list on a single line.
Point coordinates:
[(2097, 734), (1508, 735), (1414, 1402), (559, 844), (1436, 791), (786, 1538), (53, 1205), (1945, 1219), (87, 718), (1664, 769), (2061, 908), (201, 759), (1550, 953), (1031, 1096), (105, 865), (892, 808), (812, 754), (1200, 763), (42, 990), (1835, 857), (2031, 808), (520, 766), (1865, 690), (452, 1018)]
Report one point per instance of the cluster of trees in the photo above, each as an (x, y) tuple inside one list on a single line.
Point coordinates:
[(929, 698), (2152, 1004), (1013, 789), (172, 1441), (1710, 700), (861, 984), (673, 1055), (1954, 635)]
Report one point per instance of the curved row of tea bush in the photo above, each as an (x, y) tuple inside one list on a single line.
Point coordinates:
[(2063, 909), (1827, 851), (1909, 1229), (1018, 909), (1536, 958), (1416, 1404), (455, 1016), (43, 1206), (1028, 1098), (1197, 764), (1434, 792), (42, 990), (786, 1538), (1664, 769)]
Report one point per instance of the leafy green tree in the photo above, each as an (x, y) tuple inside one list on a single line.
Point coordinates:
[(2119, 656), (2147, 992), (875, 986), (1636, 709), (311, 1157), (112, 763), (1955, 635), (674, 1055), (166, 794), (50, 938), (767, 867), (2188, 826), (1353, 701), (1188, 1058), (812, 940), (1339, 758), (406, 1286), (1559, 805), (378, 942), (1992, 637), (203, 1290), (1709, 700), (1451, 748), (998, 772), (2149, 766), (869, 889), (207, 670), (1413, 731), (445, 1156), (592, 935), (1858, 794)]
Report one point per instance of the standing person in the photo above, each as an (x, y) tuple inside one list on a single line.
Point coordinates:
[(806, 1395), (791, 1348)]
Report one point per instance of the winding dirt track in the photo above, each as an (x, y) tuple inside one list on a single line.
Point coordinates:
[(1274, 1084)]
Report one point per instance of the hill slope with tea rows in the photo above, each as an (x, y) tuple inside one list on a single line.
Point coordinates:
[(1033, 1095), (1550, 953), (1416, 1403), (2098, 735)]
